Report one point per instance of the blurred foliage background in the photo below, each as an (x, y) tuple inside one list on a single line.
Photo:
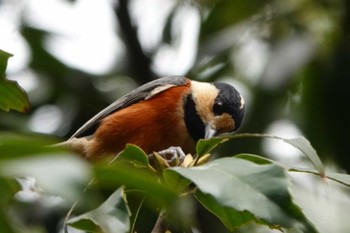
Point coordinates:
[(290, 60)]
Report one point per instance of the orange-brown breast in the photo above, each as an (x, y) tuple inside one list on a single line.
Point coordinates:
[(153, 124)]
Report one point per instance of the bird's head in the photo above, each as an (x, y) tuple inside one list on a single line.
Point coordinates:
[(219, 106)]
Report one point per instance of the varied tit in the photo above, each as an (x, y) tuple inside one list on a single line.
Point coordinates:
[(170, 111)]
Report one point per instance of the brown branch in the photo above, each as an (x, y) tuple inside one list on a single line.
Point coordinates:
[(160, 226), (139, 63)]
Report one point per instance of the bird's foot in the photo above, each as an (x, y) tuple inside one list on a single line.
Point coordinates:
[(174, 155)]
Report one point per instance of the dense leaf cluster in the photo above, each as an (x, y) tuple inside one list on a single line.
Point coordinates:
[(238, 190)]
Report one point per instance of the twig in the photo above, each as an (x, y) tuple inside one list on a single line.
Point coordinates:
[(138, 61), (160, 226)]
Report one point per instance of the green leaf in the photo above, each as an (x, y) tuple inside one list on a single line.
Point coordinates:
[(111, 216), (337, 177), (175, 180), (19, 146), (255, 159), (343, 179), (4, 56), (142, 179), (4, 224), (304, 146), (56, 171), (340, 178), (230, 217), (204, 146), (8, 188), (135, 155), (60, 174), (85, 224), (12, 95), (244, 186), (300, 143)]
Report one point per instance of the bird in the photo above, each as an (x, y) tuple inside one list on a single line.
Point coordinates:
[(168, 112)]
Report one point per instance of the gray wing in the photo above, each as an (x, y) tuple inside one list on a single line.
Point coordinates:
[(140, 93)]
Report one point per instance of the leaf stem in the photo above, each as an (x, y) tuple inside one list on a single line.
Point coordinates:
[(136, 215)]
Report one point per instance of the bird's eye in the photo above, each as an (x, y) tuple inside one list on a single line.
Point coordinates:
[(218, 108)]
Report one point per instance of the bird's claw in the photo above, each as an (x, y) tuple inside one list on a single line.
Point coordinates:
[(173, 155)]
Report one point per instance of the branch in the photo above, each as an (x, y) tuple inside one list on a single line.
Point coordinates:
[(139, 63), (160, 226)]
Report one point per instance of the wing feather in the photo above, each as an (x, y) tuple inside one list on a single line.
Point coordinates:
[(143, 92)]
